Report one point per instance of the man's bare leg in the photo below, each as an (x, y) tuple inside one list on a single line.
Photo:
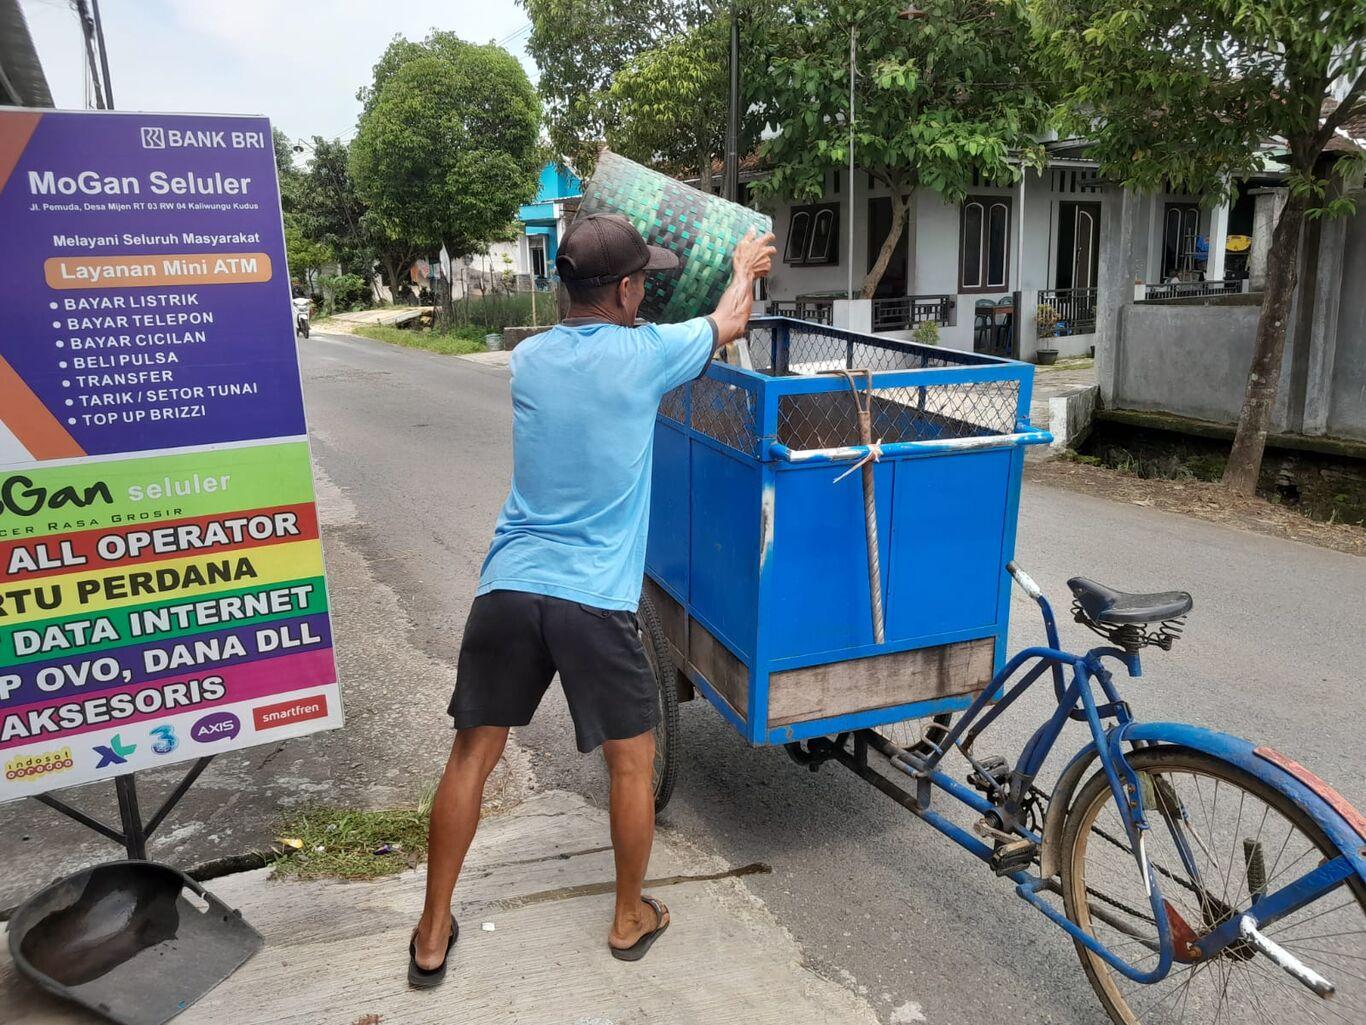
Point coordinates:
[(631, 765), (455, 817)]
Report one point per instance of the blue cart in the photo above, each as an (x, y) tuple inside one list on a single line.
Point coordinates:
[(831, 547), (758, 566)]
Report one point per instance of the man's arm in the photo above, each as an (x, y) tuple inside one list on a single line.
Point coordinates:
[(752, 259)]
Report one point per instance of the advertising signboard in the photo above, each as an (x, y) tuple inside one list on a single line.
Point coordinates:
[(161, 575)]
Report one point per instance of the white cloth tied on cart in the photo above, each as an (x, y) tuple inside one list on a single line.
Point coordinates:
[(873, 454)]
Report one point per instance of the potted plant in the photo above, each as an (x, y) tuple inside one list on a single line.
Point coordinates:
[(1046, 318), (926, 333)]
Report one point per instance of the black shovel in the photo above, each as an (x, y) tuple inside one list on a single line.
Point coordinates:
[(134, 941)]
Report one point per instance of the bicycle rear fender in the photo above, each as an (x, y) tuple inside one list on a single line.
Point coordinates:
[(1343, 824)]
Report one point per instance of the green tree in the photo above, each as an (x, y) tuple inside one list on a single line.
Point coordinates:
[(303, 253), (668, 106), (330, 212), (1189, 92), (447, 149), (580, 46), (938, 100), (289, 176)]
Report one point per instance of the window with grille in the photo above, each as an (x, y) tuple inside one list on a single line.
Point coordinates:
[(984, 244), (813, 235)]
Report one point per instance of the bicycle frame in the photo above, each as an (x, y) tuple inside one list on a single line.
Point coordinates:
[(1077, 700)]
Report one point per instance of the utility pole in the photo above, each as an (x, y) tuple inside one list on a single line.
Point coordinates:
[(104, 55), (730, 183), (853, 64), (88, 30)]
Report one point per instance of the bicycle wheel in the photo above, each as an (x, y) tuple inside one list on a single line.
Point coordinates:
[(1245, 839), (666, 680), (919, 735)]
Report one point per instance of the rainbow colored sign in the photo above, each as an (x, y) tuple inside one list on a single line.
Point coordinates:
[(161, 575)]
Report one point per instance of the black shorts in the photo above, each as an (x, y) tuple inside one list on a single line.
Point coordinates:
[(514, 644)]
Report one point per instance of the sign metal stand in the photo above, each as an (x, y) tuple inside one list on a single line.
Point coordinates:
[(135, 832)]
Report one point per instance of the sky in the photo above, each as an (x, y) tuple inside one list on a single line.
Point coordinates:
[(299, 62)]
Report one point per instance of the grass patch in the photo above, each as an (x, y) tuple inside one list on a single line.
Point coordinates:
[(460, 341), (336, 843), (497, 310)]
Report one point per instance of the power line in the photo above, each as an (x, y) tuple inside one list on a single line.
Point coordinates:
[(513, 35)]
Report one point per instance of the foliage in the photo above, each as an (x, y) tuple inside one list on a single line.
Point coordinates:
[(941, 101), (1046, 317), (343, 292), (1187, 95), (303, 253), (457, 341), (329, 211), (579, 46), (926, 332), (497, 310), (446, 149), (288, 175), (668, 106)]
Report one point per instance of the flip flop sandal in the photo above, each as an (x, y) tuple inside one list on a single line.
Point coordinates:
[(641, 947), (429, 978)]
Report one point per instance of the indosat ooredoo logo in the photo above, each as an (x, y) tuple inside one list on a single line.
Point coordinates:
[(41, 764)]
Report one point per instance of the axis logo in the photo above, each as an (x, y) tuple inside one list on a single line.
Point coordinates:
[(40, 764), (116, 752), (216, 726)]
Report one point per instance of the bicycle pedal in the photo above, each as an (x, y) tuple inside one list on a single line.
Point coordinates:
[(1013, 855), (997, 776)]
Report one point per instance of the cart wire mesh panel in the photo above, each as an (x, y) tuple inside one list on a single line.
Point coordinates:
[(781, 348)]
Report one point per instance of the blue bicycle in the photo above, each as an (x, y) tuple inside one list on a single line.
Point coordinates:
[(1202, 878)]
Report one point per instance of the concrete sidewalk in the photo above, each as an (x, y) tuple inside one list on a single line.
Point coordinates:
[(336, 953)]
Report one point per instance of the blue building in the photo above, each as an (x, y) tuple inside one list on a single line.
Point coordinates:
[(544, 221)]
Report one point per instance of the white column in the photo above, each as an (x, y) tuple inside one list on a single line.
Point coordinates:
[(1218, 232)]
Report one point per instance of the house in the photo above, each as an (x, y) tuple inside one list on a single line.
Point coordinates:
[(984, 268), (1189, 355), (544, 220)]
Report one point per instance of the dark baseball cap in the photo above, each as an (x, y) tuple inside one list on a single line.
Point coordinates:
[(601, 249)]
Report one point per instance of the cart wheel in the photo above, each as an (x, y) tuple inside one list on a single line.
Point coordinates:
[(666, 679), (918, 735)]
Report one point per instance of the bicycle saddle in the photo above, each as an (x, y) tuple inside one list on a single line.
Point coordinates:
[(1105, 605)]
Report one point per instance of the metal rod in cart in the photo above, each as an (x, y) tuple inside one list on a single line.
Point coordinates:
[(863, 408)]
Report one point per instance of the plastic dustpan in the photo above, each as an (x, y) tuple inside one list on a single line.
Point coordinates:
[(134, 941)]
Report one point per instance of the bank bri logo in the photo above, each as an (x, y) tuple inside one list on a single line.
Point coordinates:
[(153, 138)]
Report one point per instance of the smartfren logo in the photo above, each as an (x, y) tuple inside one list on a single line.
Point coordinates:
[(153, 138)]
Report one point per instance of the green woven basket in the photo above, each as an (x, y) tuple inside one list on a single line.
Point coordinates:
[(701, 229)]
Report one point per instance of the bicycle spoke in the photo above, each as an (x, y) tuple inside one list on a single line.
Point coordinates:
[(1284, 984), (1212, 825), (1286, 923)]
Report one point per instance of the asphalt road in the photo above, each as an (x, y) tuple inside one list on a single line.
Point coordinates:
[(420, 445)]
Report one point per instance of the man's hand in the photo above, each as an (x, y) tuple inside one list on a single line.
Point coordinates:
[(752, 259), (754, 256)]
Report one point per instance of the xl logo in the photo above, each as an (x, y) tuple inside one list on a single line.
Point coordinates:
[(153, 138), (117, 753)]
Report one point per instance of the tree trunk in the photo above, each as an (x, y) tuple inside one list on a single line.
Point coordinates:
[(391, 275), (1264, 378), (900, 206), (704, 178)]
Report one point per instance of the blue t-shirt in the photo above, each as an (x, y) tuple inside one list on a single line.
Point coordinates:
[(584, 399)]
